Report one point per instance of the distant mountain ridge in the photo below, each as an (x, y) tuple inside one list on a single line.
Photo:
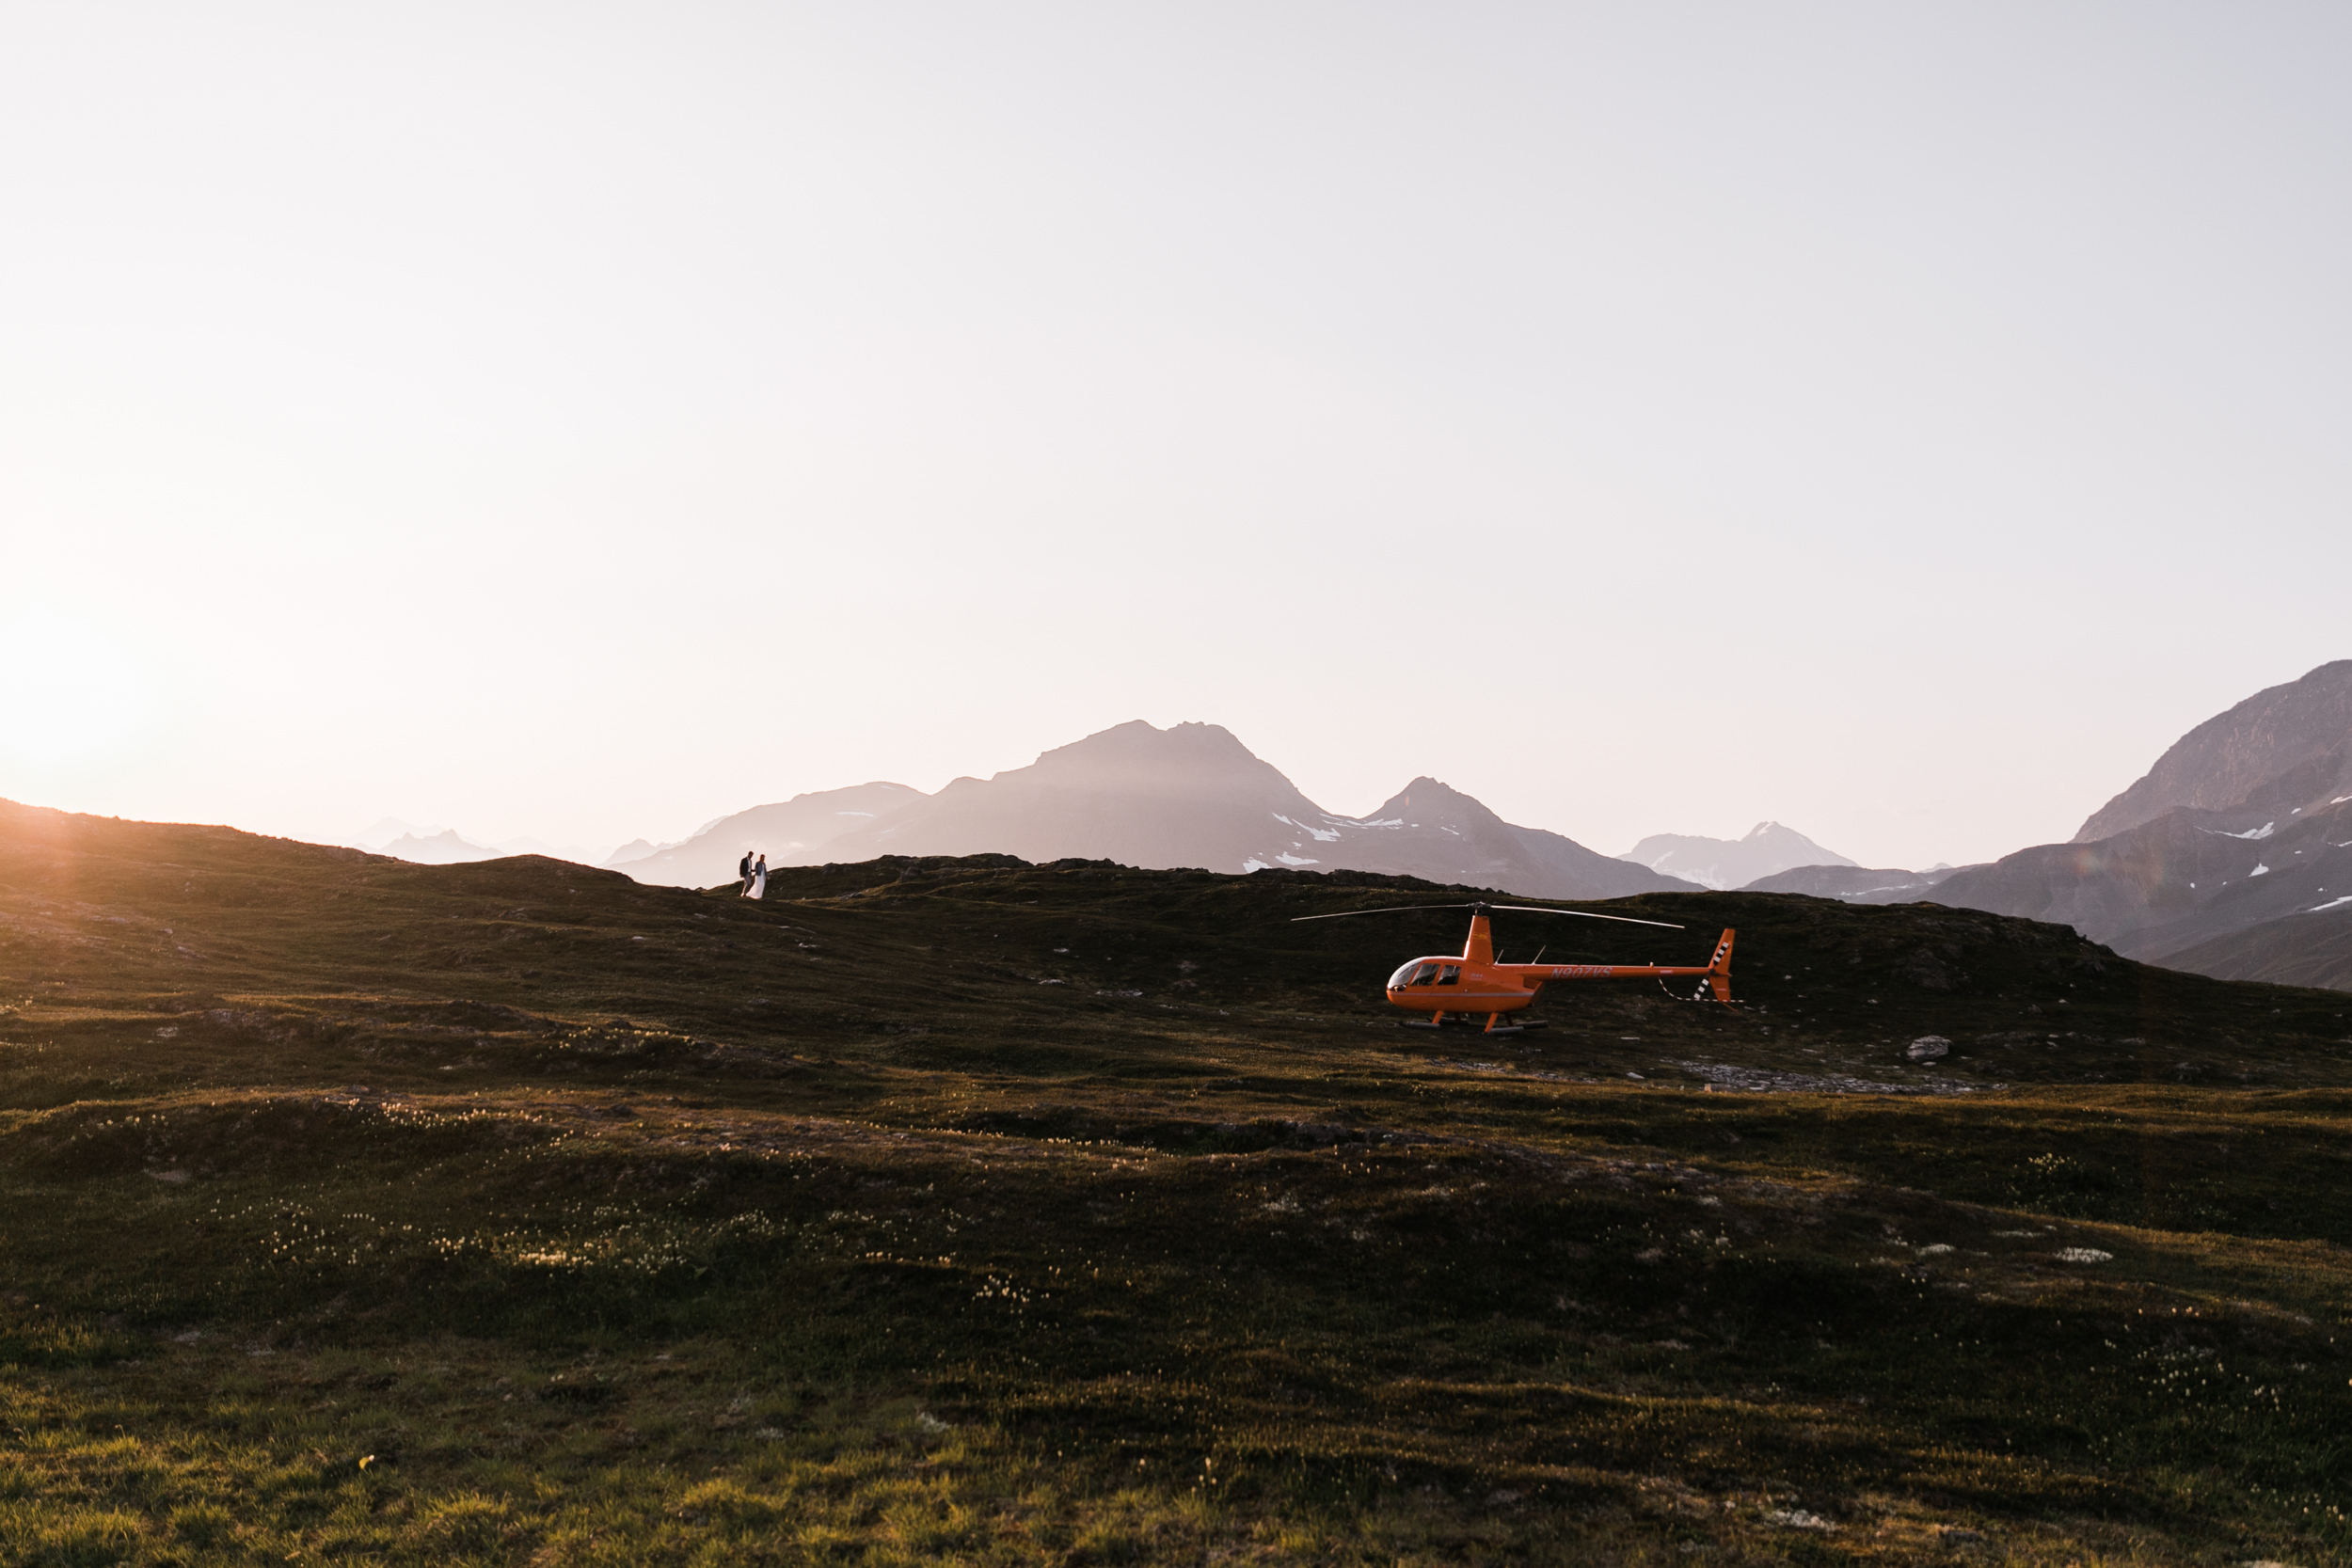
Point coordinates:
[(1433, 830), (2181, 880), (790, 832), (442, 848), (1852, 883), (2191, 874), (1191, 795), (1729, 862), (439, 846)]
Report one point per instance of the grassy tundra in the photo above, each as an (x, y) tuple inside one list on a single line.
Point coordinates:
[(963, 1211)]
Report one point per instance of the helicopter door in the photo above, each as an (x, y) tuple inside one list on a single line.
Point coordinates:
[(1428, 973), (1450, 976)]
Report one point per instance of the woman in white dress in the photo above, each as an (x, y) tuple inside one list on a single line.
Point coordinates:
[(759, 879)]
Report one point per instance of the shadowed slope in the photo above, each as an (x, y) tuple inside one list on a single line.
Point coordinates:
[(2302, 724), (2300, 950), (2184, 879), (1854, 884)]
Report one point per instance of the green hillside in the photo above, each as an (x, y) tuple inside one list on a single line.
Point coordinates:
[(964, 1211)]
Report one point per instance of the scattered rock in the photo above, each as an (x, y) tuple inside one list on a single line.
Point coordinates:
[(1929, 1048), (1797, 1518)]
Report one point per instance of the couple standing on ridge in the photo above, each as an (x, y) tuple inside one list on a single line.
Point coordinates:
[(754, 877)]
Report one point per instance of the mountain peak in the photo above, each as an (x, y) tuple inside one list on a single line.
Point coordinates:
[(1138, 756), (2302, 723), (1427, 795), (1768, 849)]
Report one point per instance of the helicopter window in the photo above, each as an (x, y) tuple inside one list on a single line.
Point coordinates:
[(1428, 973), (1451, 975), (1403, 978)]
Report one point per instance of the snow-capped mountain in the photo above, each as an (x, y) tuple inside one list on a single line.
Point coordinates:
[(1727, 863)]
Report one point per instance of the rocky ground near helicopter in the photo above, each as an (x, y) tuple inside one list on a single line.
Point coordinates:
[(971, 1211)]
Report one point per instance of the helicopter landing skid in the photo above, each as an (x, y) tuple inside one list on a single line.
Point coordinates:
[(1441, 1021)]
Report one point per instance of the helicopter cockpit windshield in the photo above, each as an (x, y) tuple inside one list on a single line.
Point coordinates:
[(1409, 975)]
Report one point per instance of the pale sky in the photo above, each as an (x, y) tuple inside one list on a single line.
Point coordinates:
[(583, 420)]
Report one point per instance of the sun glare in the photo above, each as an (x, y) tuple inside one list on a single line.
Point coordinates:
[(67, 688)]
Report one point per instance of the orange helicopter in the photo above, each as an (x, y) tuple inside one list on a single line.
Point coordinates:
[(1475, 983)]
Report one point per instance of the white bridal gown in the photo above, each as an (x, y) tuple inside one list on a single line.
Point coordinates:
[(759, 885)]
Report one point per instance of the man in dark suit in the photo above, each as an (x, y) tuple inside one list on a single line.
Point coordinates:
[(743, 873)]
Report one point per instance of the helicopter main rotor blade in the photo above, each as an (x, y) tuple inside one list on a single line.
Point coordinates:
[(1586, 914), (1519, 909), (1392, 909)]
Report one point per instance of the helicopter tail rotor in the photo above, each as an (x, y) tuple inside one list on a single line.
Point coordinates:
[(1719, 968)]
